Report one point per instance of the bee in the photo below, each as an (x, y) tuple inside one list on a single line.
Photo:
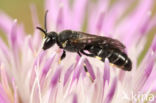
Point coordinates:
[(88, 44)]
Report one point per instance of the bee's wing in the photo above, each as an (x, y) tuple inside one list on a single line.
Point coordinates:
[(102, 42), (112, 43)]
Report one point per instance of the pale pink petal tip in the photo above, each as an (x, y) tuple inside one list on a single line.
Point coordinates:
[(3, 96), (145, 26), (77, 58), (48, 64), (56, 77), (13, 35), (34, 15), (90, 69), (59, 22), (78, 69), (111, 92), (46, 68), (67, 74), (106, 76), (100, 22), (4, 49), (4, 77), (79, 10), (149, 67), (39, 58), (151, 61), (154, 44), (75, 100), (5, 23), (15, 91)]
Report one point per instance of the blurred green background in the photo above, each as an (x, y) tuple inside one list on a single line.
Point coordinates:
[(20, 9)]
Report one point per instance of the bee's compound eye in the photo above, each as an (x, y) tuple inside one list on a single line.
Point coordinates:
[(47, 40), (48, 43)]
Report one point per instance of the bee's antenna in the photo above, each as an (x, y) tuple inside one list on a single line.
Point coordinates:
[(45, 21), (42, 30), (45, 24)]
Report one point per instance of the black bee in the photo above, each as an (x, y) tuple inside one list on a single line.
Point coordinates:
[(89, 45)]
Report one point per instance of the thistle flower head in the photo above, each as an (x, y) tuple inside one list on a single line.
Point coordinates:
[(29, 74)]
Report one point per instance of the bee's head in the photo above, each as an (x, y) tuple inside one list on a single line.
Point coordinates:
[(50, 39)]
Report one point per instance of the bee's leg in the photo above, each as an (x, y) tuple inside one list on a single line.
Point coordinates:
[(84, 65), (91, 55), (62, 56), (79, 53), (85, 68)]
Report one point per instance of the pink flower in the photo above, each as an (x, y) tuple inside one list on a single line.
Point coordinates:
[(30, 75)]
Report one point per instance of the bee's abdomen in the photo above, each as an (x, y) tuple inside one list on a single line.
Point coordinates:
[(116, 57)]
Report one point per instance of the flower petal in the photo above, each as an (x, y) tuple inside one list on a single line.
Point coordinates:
[(3, 96), (5, 50), (60, 19), (46, 69), (48, 64), (79, 8), (53, 15), (13, 34), (75, 100), (153, 46), (77, 70), (5, 23), (111, 92), (34, 16), (106, 75), (99, 24), (15, 91), (90, 69), (56, 77), (67, 74), (139, 16)]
